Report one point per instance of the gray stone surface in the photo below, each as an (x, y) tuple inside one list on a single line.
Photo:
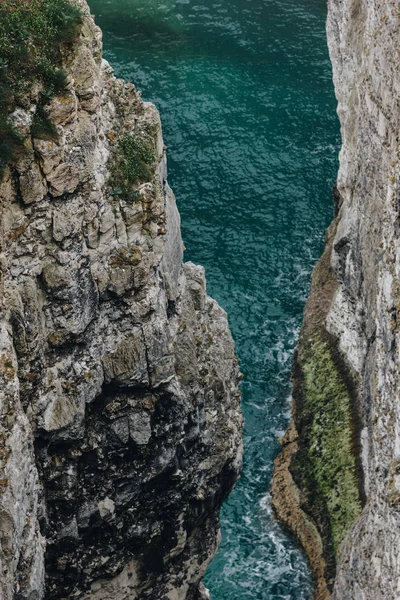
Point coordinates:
[(364, 41), (120, 429)]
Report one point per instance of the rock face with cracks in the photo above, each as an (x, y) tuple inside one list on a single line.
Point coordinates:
[(120, 423), (337, 482)]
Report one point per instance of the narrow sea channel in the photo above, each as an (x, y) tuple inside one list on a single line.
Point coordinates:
[(246, 97)]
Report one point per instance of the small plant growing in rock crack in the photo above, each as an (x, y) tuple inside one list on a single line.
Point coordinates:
[(31, 35), (133, 164)]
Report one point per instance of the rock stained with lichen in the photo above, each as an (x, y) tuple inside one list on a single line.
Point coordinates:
[(120, 422)]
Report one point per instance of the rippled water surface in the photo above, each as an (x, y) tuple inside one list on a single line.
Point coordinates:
[(245, 93)]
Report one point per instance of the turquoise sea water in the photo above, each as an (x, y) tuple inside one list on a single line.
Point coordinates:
[(245, 93)]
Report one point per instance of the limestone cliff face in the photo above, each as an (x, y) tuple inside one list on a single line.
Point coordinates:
[(120, 423), (341, 457)]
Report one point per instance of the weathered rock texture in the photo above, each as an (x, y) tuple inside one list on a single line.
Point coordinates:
[(340, 464), (120, 422)]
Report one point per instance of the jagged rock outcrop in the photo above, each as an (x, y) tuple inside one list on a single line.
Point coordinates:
[(341, 458), (120, 422)]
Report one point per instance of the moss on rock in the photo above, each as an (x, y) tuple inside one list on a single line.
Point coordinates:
[(328, 403), (325, 466), (318, 477)]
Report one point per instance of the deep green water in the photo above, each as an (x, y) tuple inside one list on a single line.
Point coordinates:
[(245, 93)]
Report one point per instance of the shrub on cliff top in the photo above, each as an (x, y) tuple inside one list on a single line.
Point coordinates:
[(31, 33)]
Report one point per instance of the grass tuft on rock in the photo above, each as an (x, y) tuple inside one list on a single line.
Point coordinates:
[(32, 33), (134, 164)]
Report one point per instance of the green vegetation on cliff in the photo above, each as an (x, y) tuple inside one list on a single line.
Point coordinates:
[(326, 465), (32, 33), (133, 164)]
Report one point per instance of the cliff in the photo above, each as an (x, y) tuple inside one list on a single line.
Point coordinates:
[(336, 483), (120, 421)]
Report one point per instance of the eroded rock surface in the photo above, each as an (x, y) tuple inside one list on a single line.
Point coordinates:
[(120, 422)]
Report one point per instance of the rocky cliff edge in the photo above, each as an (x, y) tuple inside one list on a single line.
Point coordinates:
[(120, 423)]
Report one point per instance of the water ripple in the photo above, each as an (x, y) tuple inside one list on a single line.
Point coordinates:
[(245, 92)]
